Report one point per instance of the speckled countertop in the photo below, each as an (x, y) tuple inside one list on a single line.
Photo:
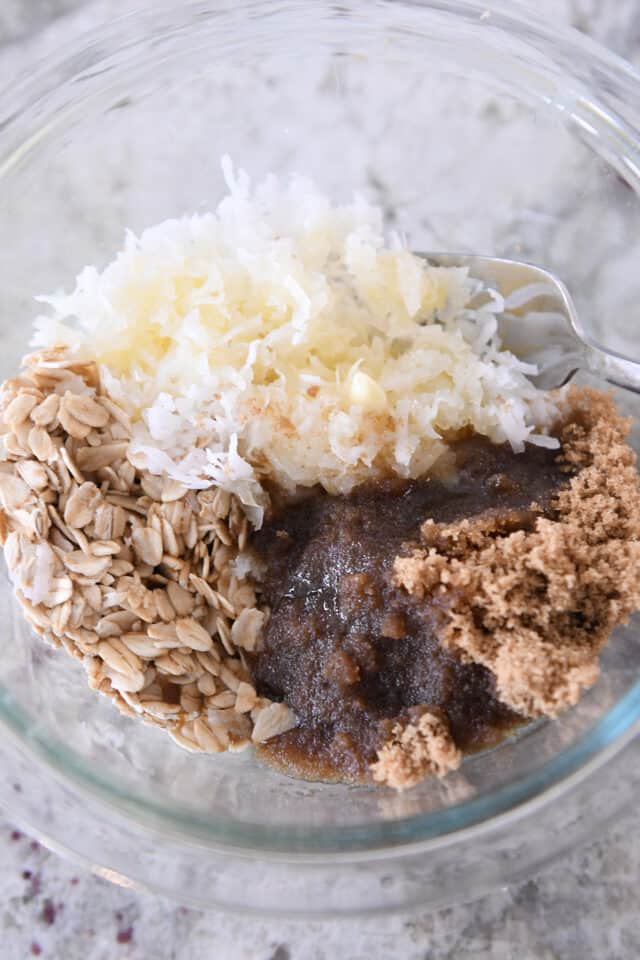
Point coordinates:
[(587, 905)]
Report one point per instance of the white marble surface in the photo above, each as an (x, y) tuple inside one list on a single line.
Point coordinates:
[(584, 906)]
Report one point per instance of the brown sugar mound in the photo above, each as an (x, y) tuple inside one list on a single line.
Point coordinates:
[(418, 748), (536, 605)]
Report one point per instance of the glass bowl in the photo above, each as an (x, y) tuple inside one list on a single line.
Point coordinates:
[(475, 130)]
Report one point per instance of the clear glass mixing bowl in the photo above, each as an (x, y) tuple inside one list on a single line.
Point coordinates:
[(475, 130)]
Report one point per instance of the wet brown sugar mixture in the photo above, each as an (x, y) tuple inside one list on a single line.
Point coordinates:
[(349, 650), (412, 622)]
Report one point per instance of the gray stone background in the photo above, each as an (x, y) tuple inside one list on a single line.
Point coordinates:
[(587, 905)]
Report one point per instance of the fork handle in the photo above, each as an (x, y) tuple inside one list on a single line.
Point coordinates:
[(615, 369), (572, 356)]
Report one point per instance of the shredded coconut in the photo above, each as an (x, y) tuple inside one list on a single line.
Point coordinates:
[(281, 337)]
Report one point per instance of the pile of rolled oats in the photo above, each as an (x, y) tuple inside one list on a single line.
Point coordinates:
[(131, 573)]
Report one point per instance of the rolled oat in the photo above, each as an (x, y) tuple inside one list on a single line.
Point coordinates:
[(131, 573)]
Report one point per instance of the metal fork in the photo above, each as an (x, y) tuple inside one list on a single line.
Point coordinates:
[(551, 337)]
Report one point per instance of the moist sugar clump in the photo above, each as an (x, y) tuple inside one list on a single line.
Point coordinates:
[(420, 747), (536, 605)]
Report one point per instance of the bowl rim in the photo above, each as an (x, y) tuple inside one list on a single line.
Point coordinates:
[(353, 843), (82, 57)]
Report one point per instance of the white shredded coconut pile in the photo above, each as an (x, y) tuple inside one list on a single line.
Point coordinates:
[(281, 337)]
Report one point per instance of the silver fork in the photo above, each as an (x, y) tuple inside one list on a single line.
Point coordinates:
[(551, 337)]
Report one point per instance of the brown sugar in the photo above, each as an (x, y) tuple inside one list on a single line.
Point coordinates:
[(536, 605), (417, 748)]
